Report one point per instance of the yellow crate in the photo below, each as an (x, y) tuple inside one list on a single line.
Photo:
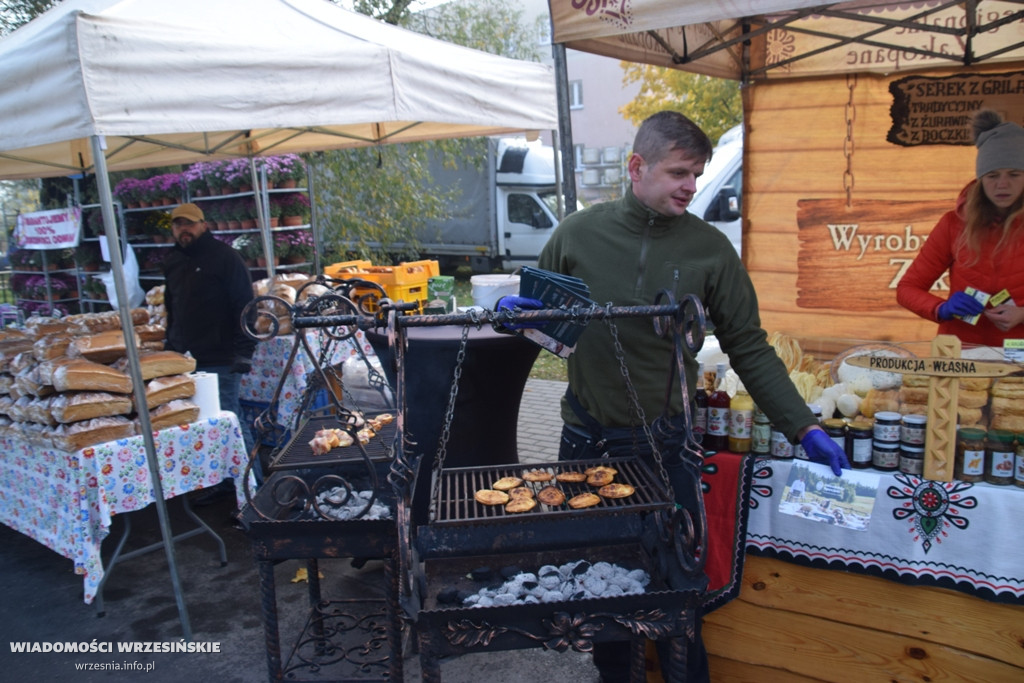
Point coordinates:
[(408, 273), (347, 268)]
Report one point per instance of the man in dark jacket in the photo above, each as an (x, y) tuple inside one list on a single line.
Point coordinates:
[(207, 286)]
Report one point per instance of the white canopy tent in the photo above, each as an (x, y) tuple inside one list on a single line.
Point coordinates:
[(99, 85)]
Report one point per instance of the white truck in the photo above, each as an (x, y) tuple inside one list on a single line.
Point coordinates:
[(720, 190), (506, 211)]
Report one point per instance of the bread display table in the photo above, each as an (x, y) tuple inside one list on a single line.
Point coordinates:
[(67, 500), (949, 534)]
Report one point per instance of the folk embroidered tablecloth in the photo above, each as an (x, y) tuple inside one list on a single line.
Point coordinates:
[(66, 500), (898, 526)]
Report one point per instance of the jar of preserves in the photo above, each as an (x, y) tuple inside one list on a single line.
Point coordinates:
[(912, 459), (860, 440), (836, 429), (885, 455), (970, 455), (781, 447), (1001, 453), (760, 434), (887, 427), (913, 429), (741, 420)]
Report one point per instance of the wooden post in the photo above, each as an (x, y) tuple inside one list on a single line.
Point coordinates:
[(940, 441)]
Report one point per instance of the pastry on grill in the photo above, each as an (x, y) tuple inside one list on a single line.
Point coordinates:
[(584, 500), (520, 492), (600, 468), (601, 477), (616, 491), (551, 495), (490, 497), (571, 477), (507, 483), (537, 475), (521, 504)]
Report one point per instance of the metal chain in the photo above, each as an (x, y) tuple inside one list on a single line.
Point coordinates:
[(851, 116), (634, 399), (449, 414)]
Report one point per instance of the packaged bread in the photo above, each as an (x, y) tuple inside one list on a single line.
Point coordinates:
[(151, 346), (283, 291), (312, 291), (11, 351), (6, 381), (76, 406), (38, 411), (177, 412), (91, 323), (6, 403), (160, 390), (51, 346), (78, 435), (34, 433), (18, 410), (159, 364), (148, 333), (155, 296), (39, 326), (261, 287), (25, 359), (29, 382), (79, 374), (102, 347)]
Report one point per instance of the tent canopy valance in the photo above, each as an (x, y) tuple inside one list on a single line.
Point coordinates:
[(775, 39), (172, 83)]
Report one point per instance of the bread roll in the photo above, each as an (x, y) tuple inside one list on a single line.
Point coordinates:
[(84, 375), (79, 435), (1012, 423), (970, 417), (179, 412), (162, 390), (159, 364), (86, 405)]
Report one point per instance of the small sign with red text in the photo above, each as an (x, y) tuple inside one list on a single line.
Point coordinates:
[(56, 229)]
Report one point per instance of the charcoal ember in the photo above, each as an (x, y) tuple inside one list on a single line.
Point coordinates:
[(582, 567), (482, 574), (530, 585), (449, 596)]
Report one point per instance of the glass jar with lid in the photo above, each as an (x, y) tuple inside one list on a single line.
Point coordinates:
[(970, 455), (999, 447)]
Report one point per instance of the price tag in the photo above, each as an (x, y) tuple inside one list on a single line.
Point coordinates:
[(1013, 350)]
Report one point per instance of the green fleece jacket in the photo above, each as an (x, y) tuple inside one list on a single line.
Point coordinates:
[(627, 253)]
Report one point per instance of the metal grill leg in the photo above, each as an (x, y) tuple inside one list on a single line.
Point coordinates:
[(268, 603)]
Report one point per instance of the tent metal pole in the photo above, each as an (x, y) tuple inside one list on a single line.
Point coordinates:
[(564, 127), (135, 371), (259, 186)]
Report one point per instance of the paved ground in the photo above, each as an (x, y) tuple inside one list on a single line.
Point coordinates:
[(42, 600)]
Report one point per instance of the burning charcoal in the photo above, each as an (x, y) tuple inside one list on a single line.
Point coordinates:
[(510, 571), (640, 576), (449, 596), (530, 585), (594, 585), (578, 595), (482, 574), (503, 599), (551, 580), (531, 600), (484, 601), (603, 569), (552, 596), (613, 591), (471, 600), (580, 567)]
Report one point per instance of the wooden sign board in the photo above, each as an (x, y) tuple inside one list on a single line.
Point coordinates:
[(937, 110), (851, 258)]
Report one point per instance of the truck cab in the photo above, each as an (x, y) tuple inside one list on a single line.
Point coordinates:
[(719, 195), (527, 200)]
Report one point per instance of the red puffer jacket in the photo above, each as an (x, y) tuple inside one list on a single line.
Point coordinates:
[(994, 271)]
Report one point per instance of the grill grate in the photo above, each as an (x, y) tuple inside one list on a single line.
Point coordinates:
[(298, 454), (456, 503)]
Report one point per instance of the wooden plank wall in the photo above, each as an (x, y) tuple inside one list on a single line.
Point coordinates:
[(793, 623), (795, 151)]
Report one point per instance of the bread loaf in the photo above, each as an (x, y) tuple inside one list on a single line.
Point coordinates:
[(102, 347), (79, 374), (160, 390), (160, 364), (149, 333), (86, 405), (79, 435), (155, 296), (38, 411), (178, 412), (39, 326), (28, 382), (51, 346)]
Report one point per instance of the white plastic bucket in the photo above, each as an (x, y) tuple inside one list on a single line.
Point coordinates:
[(487, 289)]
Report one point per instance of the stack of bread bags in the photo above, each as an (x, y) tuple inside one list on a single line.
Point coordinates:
[(69, 389)]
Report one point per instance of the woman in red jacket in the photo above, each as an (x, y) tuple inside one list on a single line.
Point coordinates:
[(980, 243)]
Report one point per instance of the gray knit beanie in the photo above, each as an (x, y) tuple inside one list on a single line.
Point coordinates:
[(1000, 143)]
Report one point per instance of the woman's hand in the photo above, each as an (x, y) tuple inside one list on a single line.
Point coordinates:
[(1006, 316)]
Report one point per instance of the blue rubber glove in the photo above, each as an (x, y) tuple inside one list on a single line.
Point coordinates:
[(961, 304), (522, 303), (820, 448)]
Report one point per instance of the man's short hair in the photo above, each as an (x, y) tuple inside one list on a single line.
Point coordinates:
[(667, 130)]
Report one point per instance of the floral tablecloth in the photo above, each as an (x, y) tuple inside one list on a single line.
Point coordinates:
[(268, 367), (66, 500), (898, 526)]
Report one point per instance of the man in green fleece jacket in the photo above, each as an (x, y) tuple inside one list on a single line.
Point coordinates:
[(627, 251)]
